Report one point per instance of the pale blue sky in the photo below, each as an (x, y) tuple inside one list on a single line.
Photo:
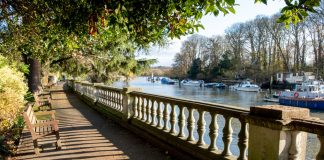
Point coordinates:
[(246, 10)]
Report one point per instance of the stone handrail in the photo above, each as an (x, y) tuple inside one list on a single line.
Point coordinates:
[(165, 113), (195, 127)]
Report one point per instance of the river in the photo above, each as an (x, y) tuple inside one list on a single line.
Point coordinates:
[(215, 95)]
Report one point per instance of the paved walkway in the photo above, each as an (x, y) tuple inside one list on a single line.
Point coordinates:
[(87, 135)]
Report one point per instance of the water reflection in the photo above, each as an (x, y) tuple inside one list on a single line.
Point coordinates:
[(223, 96)]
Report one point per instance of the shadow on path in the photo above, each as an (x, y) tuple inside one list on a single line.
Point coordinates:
[(87, 135)]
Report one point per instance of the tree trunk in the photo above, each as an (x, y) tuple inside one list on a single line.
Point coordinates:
[(34, 75)]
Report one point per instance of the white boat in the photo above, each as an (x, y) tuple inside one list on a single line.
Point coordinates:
[(199, 83), (247, 87), (233, 87), (215, 85)]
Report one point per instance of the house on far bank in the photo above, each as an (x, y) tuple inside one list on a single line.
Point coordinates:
[(295, 78)]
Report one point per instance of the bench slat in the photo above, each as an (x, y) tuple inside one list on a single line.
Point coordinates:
[(29, 111)]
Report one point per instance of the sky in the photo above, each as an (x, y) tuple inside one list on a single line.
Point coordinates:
[(245, 11)]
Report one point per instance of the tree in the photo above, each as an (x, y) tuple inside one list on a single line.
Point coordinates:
[(195, 68), (46, 33), (236, 39)]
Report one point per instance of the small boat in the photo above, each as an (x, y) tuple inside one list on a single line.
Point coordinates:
[(209, 85), (233, 87), (247, 86), (273, 98), (199, 83), (309, 94), (215, 85), (220, 85), (167, 81)]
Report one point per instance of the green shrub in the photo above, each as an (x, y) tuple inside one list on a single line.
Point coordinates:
[(12, 91)]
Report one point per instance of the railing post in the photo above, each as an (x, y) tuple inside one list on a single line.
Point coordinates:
[(271, 138), (128, 102)]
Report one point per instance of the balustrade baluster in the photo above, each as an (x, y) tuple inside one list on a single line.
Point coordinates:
[(201, 128), (191, 125), (140, 100), (227, 136), (114, 99), (117, 100), (99, 95), (108, 98), (320, 154), (153, 113), (243, 140), (181, 122), (111, 99), (148, 111), (213, 132), (143, 108), (136, 101), (173, 119), (105, 97), (121, 101), (166, 117), (160, 115)]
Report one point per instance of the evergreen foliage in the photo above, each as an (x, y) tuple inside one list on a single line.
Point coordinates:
[(12, 91)]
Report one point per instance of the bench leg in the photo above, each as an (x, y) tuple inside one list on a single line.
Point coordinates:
[(50, 106), (58, 140), (36, 146)]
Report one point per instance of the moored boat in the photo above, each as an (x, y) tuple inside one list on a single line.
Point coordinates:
[(247, 86), (271, 98), (215, 85), (167, 81), (199, 83), (309, 94), (220, 85), (233, 87)]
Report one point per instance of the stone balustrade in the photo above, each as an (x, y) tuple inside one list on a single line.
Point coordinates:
[(207, 130)]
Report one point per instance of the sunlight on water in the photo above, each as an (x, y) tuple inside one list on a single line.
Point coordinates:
[(222, 96)]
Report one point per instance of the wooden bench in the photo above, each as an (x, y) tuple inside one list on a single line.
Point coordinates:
[(41, 128), (48, 85), (42, 101)]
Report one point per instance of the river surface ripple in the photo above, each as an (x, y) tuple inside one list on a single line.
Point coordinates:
[(221, 96)]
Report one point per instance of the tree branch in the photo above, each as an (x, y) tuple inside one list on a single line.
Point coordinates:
[(60, 60)]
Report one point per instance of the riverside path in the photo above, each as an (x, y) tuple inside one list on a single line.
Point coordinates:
[(86, 134)]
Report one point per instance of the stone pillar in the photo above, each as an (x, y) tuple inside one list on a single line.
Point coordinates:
[(128, 102), (271, 138)]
